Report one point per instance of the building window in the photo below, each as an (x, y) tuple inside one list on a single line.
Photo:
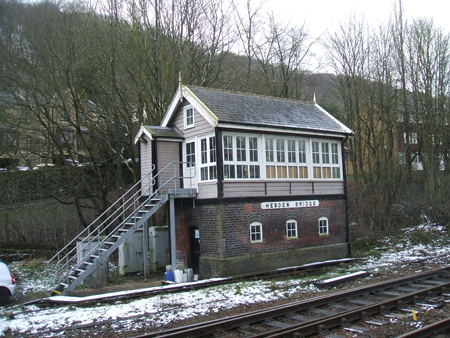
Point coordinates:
[(208, 168), (410, 138), (291, 229), (287, 158), (190, 154), (400, 117), (238, 147), (256, 233), (322, 166), (323, 226), (188, 117)]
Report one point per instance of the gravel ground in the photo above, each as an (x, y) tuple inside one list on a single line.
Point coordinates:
[(394, 329)]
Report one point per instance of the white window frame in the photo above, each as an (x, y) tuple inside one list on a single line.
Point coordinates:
[(275, 156), (187, 123), (282, 167), (294, 230), (324, 228), (208, 158), (256, 231), (189, 156), (243, 166), (324, 158)]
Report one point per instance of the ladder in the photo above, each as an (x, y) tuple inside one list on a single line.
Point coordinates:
[(115, 226)]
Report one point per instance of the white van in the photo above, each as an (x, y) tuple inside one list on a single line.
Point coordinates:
[(8, 286)]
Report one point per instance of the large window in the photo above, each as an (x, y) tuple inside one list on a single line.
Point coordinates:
[(208, 168), (245, 152), (279, 157), (323, 166), (290, 161), (291, 229), (256, 233)]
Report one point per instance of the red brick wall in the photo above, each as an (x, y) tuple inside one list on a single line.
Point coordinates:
[(225, 228)]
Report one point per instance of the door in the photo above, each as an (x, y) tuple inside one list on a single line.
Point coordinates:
[(190, 169), (195, 249)]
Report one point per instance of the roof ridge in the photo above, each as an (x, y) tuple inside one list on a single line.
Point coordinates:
[(250, 94)]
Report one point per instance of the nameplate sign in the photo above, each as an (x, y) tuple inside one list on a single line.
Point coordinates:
[(290, 204)]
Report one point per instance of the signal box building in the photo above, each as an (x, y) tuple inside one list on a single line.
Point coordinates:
[(268, 181)]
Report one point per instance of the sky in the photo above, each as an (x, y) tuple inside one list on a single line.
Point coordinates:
[(159, 310), (322, 14)]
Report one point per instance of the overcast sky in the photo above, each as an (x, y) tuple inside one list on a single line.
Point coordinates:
[(322, 14)]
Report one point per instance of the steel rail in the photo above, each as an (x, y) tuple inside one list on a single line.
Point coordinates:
[(341, 319), (428, 330), (197, 330)]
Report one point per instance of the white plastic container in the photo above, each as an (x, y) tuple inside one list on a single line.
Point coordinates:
[(185, 278), (178, 276), (195, 278)]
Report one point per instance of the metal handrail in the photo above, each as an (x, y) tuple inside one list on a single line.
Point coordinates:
[(124, 209)]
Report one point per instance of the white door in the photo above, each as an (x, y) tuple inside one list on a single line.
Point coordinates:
[(189, 165)]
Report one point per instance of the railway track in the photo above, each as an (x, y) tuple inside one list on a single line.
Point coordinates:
[(355, 311)]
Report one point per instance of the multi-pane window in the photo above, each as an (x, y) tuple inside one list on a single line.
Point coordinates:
[(291, 229), (188, 117), (190, 154), (322, 166), (290, 159), (245, 151), (281, 158), (323, 226), (208, 168), (256, 232), (410, 138)]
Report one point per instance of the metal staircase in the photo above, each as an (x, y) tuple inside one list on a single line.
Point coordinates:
[(115, 226)]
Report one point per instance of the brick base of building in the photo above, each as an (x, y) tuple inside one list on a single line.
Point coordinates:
[(254, 263), (226, 247)]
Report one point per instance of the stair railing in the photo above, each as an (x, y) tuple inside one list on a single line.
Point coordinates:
[(119, 212)]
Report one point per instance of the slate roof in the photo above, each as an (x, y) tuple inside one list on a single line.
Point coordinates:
[(165, 132), (249, 109)]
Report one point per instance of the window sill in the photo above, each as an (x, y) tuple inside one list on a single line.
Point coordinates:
[(257, 242)]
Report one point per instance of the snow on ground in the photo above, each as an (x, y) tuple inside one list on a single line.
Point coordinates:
[(158, 311)]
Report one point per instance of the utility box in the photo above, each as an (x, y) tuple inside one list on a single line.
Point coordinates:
[(100, 275), (159, 253), (130, 254)]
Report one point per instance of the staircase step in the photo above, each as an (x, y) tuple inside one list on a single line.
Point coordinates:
[(80, 270), (73, 277), (103, 249), (116, 236), (123, 230), (110, 243), (64, 285), (88, 263), (95, 256)]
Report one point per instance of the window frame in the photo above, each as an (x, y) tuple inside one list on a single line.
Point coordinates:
[(290, 222), (208, 158), (322, 227), (187, 118), (323, 158), (239, 163), (253, 227)]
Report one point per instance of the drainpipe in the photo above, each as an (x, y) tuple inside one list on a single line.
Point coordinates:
[(173, 249), (346, 197)]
